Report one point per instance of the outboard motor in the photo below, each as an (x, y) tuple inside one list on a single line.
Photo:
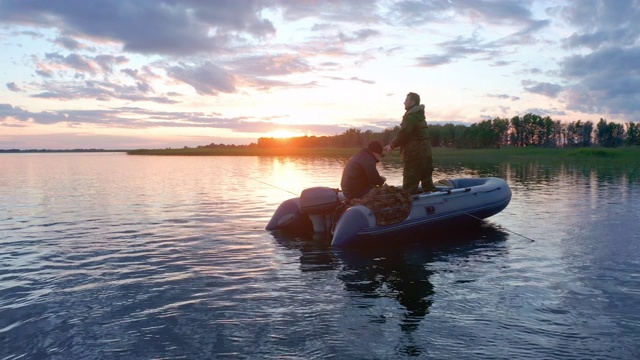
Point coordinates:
[(319, 204)]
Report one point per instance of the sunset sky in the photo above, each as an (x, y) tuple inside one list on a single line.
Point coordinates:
[(128, 74)]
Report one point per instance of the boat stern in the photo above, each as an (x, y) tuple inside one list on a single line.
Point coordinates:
[(351, 223), (288, 216)]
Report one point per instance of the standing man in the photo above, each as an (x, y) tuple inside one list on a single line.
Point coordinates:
[(415, 148), (360, 174)]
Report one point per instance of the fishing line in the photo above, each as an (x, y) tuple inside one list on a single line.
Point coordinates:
[(273, 186), (513, 232), (262, 182), (292, 193)]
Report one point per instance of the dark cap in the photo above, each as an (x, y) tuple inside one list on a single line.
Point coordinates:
[(375, 147)]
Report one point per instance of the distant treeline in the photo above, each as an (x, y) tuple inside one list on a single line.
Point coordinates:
[(54, 151), (519, 131)]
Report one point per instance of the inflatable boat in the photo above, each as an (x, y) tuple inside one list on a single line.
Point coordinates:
[(456, 202)]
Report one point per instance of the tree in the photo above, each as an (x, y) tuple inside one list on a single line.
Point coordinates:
[(587, 131), (517, 131), (633, 134), (609, 134)]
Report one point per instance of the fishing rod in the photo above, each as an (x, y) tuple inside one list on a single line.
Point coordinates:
[(292, 193)]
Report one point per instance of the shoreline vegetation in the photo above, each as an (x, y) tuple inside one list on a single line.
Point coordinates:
[(29, 151), (623, 154), (626, 154)]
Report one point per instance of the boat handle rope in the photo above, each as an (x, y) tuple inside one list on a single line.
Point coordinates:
[(466, 213)]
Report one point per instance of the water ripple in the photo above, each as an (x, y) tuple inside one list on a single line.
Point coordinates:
[(154, 257)]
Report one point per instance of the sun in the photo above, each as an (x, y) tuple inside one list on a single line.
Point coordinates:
[(282, 133)]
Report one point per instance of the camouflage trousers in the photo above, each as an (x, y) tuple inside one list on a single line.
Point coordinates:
[(416, 172)]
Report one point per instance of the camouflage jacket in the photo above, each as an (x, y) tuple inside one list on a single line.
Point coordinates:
[(413, 137)]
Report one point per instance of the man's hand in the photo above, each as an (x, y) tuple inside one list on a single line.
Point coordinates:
[(387, 149)]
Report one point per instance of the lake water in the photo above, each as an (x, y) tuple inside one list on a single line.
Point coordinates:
[(110, 256)]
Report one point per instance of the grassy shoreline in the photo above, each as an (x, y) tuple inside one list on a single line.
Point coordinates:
[(631, 154), (245, 151)]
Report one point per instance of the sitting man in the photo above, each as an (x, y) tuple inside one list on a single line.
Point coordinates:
[(360, 174)]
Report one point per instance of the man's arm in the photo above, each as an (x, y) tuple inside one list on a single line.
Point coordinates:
[(373, 175), (404, 134)]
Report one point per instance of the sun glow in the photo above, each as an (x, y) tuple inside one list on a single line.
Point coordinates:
[(283, 133)]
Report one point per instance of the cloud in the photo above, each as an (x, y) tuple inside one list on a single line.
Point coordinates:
[(602, 24), (606, 78), (100, 90), (206, 78), (358, 36), (545, 112), (494, 12), (7, 110), (123, 117), (13, 87), (144, 74), (434, 60), (501, 63), (352, 11), (353, 78), (411, 11), (606, 81), (480, 11), (273, 65), (69, 43), (542, 88), (139, 118), (107, 62), (146, 26), (459, 48), (55, 63), (88, 140), (503, 97), (466, 46), (18, 113), (76, 62), (524, 36)]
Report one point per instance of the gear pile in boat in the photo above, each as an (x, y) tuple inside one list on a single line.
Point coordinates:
[(325, 206), (389, 204)]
